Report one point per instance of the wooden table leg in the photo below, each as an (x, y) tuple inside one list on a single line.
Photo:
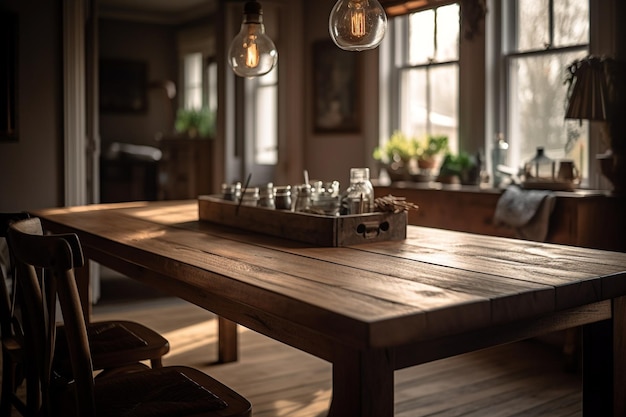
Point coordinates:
[(363, 384), (227, 344), (619, 356), (604, 364)]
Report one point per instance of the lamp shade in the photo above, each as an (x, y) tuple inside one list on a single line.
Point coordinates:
[(589, 95)]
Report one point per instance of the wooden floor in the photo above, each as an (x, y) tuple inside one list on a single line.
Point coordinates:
[(520, 379)]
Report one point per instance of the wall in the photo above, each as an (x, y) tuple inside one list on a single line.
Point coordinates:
[(31, 169), (156, 45), (330, 156)]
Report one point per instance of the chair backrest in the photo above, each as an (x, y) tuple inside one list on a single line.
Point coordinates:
[(45, 270), (9, 324)]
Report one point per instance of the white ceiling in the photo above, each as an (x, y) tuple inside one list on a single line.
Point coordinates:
[(156, 11)]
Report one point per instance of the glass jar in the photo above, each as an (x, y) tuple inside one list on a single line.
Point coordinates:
[(231, 192), (325, 198), (359, 196), (540, 167), (250, 197), (303, 198), (266, 196), (282, 197)]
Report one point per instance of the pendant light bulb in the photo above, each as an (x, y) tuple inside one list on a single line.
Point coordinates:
[(357, 25), (252, 53)]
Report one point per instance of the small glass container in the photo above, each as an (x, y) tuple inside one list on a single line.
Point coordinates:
[(325, 198), (540, 167), (250, 197), (231, 192), (303, 198), (282, 197), (266, 196)]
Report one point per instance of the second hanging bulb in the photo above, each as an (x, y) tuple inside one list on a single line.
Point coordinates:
[(357, 25), (252, 53)]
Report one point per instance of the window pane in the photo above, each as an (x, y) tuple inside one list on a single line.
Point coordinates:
[(448, 33), (421, 34), (212, 86), (430, 112), (571, 22), (413, 105), (444, 102), (537, 107), (193, 81), (533, 24)]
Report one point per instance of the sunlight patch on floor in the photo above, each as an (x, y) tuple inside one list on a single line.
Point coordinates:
[(186, 339)]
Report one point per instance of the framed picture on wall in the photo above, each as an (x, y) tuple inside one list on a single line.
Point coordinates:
[(123, 86), (8, 76), (336, 93)]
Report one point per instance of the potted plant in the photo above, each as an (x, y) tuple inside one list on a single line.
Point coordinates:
[(396, 155), (427, 153), (459, 168), (195, 123)]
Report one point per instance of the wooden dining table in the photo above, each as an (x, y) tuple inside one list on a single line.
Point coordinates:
[(372, 308)]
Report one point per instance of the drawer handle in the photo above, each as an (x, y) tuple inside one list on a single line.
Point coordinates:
[(370, 230)]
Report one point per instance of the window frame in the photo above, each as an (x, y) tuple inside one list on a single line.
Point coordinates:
[(505, 55)]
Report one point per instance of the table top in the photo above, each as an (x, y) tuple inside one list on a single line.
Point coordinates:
[(433, 284)]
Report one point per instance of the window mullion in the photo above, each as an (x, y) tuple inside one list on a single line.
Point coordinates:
[(435, 45), (551, 24)]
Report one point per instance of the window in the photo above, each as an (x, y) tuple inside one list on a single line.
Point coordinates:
[(423, 82), (193, 70), (541, 38), (529, 49)]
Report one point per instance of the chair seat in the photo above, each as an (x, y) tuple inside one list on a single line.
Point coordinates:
[(171, 391), (115, 344)]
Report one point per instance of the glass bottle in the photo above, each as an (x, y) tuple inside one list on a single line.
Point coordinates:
[(499, 154), (359, 196)]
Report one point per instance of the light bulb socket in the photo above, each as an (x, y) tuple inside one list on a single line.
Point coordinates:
[(252, 12)]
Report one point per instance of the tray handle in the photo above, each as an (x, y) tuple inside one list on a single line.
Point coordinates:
[(372, 229)]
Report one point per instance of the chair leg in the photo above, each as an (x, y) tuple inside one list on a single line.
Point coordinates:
[(156, 363), (8, 388)]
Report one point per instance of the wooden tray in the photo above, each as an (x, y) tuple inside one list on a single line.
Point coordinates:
[(320, 230)]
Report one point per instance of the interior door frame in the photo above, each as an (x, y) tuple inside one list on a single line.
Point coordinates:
[(81, 139)]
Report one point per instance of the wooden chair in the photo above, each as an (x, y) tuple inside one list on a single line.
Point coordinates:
[(167, 391), (11, 331), (115, 345)]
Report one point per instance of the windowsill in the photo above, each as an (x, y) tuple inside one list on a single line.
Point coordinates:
[(483, 188)]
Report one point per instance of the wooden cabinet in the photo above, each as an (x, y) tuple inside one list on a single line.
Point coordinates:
[(185, 170), (586, 219)]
